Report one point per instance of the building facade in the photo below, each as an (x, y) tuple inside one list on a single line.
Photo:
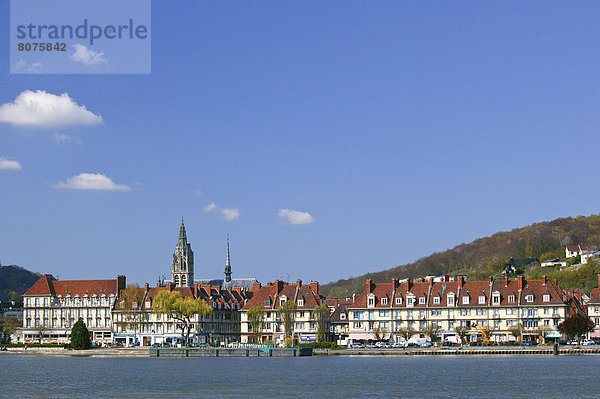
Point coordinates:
[(51, 307), (384, 310)]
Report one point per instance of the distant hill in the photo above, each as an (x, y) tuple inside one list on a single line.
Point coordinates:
[(15, 279), (487, 256)]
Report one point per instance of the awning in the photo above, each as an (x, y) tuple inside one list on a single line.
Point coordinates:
[(554, 334), (360, 336)]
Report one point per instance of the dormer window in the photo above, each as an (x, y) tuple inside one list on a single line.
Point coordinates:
[(546, 297), (342, 316), (300, 302), (511, 298), (410, 301), (134, 305), (436, 300), (371, 301), (465, 300), (481, 299), (384, 301), (148, 303), (529, 298), (450, 299), (496, 299), (268, 302), (399, 300), (422, 300)]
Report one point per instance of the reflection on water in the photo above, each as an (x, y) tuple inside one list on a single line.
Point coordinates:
[(319, 376)]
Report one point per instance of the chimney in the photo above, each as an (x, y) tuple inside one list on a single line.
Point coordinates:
[(491, 280), (461, 281), (121, 283), (521, 280), (556, 283), (446, 278), (506, 281), (147, 287), (368, 286), (544, 280), (196, 290), (298, 283), (408, 284), (280, 284), (255, 287), (170, 287), (337, 303), (353, 297), (431, 281), (395, 283), (314, 286)]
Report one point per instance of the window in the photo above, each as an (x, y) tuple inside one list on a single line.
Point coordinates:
[(384, 301), (410, 314), (399, 301), (465, 312), (511, 298), (496, 299), (481, 299), (546, 297), (357, 324), (384, 313), (409, 301), (421, 314), (281, 301), (465, 300), (300, 302), (37, 301), (342, 316), (371, 301), (451, 324), (529, 298), (358, 315), (371, 315), (148, 303), (267, 302), (422, 300), (450, 300), (436, 300)]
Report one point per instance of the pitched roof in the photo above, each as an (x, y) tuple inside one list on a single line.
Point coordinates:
[(47, 285)]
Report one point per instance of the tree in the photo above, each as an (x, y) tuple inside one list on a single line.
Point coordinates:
[(406, 332), (322, 316), (576, 326), (9, 327), (173, 304), (379, 332), (544, 331), (515, 331), (256, 315), (287, 312), (432, 330), (487, 332), (80, 336), (462, 332), (130, 303), (40, 329)]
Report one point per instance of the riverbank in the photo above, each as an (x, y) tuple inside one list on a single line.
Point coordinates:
[(97, 352)]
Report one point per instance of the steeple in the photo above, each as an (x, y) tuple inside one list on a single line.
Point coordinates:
[(182, 235), (228, 264), (182, 272)]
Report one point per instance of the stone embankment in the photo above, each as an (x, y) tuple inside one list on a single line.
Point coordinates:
[(98, 352), (465, 351)]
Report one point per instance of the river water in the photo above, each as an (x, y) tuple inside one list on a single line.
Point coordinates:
[(37, 376)]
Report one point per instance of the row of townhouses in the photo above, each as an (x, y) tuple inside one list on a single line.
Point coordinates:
[(382, 311)]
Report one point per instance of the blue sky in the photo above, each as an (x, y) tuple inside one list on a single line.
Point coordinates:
[(401, 128)]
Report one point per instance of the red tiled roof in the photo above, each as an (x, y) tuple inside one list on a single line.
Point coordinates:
[(47, 285)]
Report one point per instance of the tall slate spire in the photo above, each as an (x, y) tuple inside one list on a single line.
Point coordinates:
[(228, 263), (182, 272), (182, 235)]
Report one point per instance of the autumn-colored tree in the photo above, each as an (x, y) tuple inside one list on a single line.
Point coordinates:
[(173, 304)]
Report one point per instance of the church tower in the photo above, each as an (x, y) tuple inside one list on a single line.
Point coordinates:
[(182, 273), (228, 264)]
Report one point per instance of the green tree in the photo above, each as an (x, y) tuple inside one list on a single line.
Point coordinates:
[(9, 327), (287, 312), (322, 316), (256, 316), (80, 336), (576, 326), (174, 305)]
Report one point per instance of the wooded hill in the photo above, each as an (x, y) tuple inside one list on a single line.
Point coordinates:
[(487, 257), (14, 281)]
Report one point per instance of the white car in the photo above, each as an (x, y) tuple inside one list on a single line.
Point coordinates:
[(588, 342)]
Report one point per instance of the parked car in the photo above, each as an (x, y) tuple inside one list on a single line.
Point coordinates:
[(382, 344), (588, 342), (398, 345), (529, 343), (357, 345), (573, 342), (419, 342)]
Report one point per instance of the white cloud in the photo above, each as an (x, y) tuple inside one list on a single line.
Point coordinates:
[(210, 207), (34, 67), (42, 109), (230, 214), (7, 164), (92, 181), (87, 56), (62, 138), (295, 217)]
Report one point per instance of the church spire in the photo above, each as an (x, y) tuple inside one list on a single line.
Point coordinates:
[(228, 263), (182, 235)]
